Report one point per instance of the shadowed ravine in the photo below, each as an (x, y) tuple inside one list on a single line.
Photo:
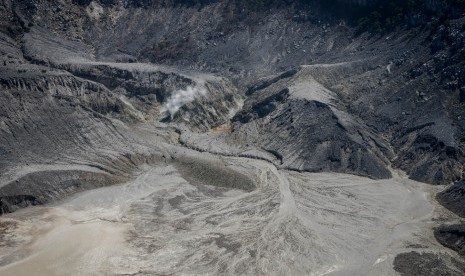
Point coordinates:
[(290, 224)]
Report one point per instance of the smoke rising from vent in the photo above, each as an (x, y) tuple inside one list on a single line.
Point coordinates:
[(182, 97)]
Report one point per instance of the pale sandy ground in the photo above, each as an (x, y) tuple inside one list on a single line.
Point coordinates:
[(292, 224)]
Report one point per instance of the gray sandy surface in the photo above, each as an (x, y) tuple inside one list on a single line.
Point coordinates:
[(289, 224)]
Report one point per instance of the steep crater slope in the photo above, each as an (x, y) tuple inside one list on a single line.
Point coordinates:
[(308, 127), (73, 113), (406, 87)]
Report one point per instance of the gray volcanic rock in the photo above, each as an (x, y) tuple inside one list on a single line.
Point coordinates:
[(366, 103), (306, 126), (144, 88), (48, 186), (385, 85), (9, 204), (453, 198), (213, 173), (452, 236), (428, 264), (67, 110)]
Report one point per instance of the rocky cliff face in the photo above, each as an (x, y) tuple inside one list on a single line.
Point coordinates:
[(216, 38), (392, 100)]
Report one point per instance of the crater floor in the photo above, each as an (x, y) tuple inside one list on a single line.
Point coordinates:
[(160, 224)]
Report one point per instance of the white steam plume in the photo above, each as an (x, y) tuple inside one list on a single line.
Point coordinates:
[(182, 97)]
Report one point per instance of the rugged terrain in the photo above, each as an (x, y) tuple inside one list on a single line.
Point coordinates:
[(261, 141)]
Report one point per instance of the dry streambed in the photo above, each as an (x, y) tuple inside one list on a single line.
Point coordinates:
[(167, 222)]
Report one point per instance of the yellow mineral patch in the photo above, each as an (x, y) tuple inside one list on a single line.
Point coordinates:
[(220, 129)]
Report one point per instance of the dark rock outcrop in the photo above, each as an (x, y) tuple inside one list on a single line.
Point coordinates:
[(9, 204), (428, 264), (452, 236), (306, 124), (453, 198)]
